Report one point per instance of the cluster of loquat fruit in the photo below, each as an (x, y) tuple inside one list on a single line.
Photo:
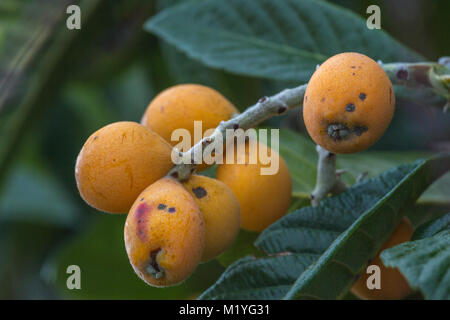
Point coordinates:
[(172, 226)]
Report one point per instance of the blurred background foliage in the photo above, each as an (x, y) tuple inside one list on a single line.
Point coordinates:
[(57, 86)]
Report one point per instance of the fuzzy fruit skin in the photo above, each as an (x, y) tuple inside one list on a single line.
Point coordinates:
[(393, 285), (179, 106), (165, 222), (352, 90), (221, 213), (117, 162), (263, 198)]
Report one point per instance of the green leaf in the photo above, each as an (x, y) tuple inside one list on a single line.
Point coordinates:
[(345, 230), (32, 196), (433, 227), (425, 263), (264, 278), (301, 157), (282, 40), (243, 244)]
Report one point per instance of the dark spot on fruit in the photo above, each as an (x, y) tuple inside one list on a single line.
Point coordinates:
[(350, 107), (153, 268), (199, 192), (141, 216), (306, 98), (402, 74), (353, 67), (322, 100), (96, 137), (362, 96), (141, 210), (172, 210), (142, 199), (353, 73), (338, 131), (162, 206), (359, 130)]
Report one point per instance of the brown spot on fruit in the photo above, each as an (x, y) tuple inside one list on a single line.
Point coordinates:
[(162, 206), (199, 192), (154, 269), (359, 130), (362, 96), (172, 210), (350, 107), (338, 131), (141, 216)]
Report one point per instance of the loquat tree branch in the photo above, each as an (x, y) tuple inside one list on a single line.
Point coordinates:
[(426, 74), (265, 108)]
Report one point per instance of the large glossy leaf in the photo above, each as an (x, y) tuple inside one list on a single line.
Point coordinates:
[(345, 231), (283, 39), (32, 196), (425, 262)]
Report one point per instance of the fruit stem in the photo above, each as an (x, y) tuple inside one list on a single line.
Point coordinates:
[(328, 178)]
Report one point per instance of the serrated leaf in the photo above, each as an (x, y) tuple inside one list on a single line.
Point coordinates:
[(425, 263), (345, 257), (433, 227), (263, 278), (346, 231), (281, 40)]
